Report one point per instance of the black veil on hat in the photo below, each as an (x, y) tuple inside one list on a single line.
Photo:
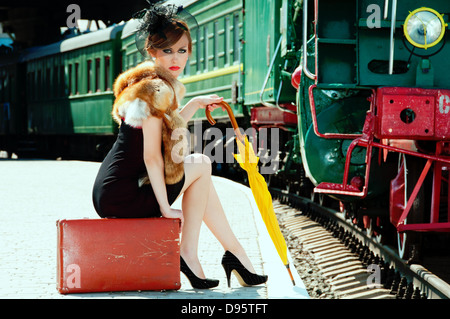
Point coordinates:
[(156, 18)]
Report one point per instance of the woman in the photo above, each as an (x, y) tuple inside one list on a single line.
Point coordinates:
[(146, 108)]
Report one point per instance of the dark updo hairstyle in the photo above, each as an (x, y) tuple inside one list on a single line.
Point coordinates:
[(161, 27), (172, 34)]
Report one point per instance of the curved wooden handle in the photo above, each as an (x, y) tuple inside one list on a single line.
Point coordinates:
[(230, 114)]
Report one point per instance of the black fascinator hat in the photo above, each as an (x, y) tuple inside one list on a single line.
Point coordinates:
[(156, 23)]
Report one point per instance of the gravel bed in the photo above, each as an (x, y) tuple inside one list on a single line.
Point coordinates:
[(304, 261)]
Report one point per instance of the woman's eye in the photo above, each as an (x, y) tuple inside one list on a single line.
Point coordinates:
[(167, 51), (182, 51)]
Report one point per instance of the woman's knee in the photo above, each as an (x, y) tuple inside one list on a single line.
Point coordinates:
[(200, 163)]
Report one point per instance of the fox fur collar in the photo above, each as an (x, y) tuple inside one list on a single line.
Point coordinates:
[(147, 90)]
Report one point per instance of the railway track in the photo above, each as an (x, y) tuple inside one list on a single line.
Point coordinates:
[(344, 262)]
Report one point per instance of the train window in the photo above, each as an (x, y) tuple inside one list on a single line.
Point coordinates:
[(4, 88), (62, 81), (227, 40), (236, 38), (28, 81), (97, 75), (70, 80), (89, 76), (77, 70), (56, 84), (206, 49), (199, 51), (39, 85), (107, 73), (216, 44), (10, 88), (48, 84), (32, 86)]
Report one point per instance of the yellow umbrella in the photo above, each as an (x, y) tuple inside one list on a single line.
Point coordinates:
[(249, 162)]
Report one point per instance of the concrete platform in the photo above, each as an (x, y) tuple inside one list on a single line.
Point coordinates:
[(34, 194)]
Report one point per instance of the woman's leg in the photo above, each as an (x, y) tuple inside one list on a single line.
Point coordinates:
[(196, 186), (217, 222), (201, 203)]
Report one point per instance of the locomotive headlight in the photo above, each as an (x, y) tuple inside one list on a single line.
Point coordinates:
[(424, 28)]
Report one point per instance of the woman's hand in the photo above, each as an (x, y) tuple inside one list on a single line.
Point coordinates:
[(208, 101), (173, 213), (200, 102)]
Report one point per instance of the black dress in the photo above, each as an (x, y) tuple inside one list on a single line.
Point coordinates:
[(116, 191)]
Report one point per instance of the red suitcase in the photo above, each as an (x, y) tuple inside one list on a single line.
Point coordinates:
[(101, 255)]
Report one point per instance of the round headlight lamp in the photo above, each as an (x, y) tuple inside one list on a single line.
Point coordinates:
[(424, 28)]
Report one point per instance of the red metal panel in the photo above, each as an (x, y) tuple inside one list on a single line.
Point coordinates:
[(406, 115), (96, 255), (273, 116), (413, 113)]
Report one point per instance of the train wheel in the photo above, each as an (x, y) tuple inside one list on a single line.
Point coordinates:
[(409, 241)]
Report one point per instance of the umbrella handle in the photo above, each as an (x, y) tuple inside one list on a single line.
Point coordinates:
[(231, 116)]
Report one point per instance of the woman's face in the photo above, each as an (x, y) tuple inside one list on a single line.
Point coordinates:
[(173, 59)]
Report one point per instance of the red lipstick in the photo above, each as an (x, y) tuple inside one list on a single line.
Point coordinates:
[(174, 68)]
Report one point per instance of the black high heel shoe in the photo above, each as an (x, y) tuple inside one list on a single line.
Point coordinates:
[(230, 262), (196, 282)]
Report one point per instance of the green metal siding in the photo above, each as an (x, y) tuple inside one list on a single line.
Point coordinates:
[(262, 33), (130, 54)]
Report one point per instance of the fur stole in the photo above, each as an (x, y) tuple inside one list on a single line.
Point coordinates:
[(144, 91)]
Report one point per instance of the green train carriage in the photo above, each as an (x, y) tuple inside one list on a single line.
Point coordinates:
[(67, 97), (12, 102)]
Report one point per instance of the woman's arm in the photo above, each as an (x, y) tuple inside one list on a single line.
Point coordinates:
[(154, 162), (200, 102)]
